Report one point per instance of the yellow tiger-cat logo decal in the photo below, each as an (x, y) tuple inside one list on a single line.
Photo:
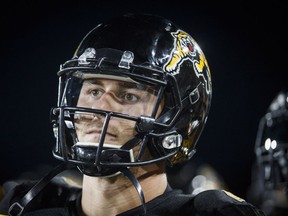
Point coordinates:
[(186, 48)]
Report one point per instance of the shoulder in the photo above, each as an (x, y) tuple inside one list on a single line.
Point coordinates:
[(224, 203), (207, 203), (12, 190), (58, 193)]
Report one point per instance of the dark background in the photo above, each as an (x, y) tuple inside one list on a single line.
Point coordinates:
[(245, 44)]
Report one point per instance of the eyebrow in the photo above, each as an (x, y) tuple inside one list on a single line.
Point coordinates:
[(127, 85)]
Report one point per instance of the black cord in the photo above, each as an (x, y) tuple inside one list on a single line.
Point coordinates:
[(137, 186), (18, 208)]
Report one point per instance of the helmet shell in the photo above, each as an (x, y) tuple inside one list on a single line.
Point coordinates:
[(158, 46)]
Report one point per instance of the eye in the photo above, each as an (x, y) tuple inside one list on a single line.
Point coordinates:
[(96, 93), (129, 98)]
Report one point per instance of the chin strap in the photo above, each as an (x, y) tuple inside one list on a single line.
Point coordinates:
[(18, 207), (137, 186)]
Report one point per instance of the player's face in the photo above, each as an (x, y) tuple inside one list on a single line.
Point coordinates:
[(116, 96)]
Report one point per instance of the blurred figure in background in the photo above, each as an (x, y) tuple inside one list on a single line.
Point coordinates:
[(268, 188), (195, 177)]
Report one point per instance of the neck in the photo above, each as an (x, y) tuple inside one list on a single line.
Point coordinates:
[(114, 195)]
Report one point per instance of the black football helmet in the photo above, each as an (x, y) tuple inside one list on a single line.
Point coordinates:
[(268, 189), (271, 146), (153, 53)]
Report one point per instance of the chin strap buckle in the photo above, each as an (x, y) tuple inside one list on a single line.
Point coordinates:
[(15, 209)]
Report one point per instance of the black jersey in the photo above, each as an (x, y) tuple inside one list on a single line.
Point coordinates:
[(56, 199)]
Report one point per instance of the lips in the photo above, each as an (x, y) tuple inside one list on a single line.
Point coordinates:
[(99, 132)]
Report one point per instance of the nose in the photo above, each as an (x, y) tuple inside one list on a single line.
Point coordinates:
[(106, 102)]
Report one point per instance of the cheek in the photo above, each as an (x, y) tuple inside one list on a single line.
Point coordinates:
[(125, 128), (140, 109)]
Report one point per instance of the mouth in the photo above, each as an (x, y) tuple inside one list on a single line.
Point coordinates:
[(99, 132)]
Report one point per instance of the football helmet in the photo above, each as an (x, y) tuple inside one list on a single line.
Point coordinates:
[(152, 54), (268, 189), (272, 143)]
